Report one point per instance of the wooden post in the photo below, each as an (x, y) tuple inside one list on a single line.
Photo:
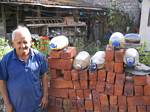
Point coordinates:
[(3, 20), (38, 11), (17, 15)]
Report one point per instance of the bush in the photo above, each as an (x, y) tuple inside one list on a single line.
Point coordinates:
[(4, 47), (144, 55)]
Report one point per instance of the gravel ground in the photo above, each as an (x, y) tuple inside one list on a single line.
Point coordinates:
[(2, 107)]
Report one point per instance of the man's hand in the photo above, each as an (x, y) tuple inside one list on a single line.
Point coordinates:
[(9, 108), (44, 102)]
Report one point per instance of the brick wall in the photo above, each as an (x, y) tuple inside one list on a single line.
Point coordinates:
[(105, 90)]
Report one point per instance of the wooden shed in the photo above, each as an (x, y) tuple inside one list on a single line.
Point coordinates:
[(44, 16)]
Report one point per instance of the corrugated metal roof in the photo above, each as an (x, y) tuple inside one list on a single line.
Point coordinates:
[(57, 3)]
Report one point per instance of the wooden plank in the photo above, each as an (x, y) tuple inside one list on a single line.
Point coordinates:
[(3, 19)]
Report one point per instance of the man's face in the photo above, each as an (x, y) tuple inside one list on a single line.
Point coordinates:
[(22, 44)]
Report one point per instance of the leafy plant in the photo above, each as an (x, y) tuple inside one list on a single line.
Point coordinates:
[(144, 55), (83, 45), (118, 20), (4, 47)]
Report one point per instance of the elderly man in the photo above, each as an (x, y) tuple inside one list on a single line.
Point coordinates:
[(23, 75)]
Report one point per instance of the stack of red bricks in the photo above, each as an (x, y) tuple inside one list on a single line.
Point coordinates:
[(105, 90)]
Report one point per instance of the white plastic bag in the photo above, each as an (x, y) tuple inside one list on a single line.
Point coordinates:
[(117, 40), (59, 42), (131, 57), (82, 60), (99, 59)]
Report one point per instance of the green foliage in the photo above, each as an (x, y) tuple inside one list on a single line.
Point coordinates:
[(83, 45), (78, 43), (38, 44), (118, 20), (4, 47), (144, 55)]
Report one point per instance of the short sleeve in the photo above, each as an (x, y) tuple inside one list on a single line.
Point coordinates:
[(3, 71), (44, 65)]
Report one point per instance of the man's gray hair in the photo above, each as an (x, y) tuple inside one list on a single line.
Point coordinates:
[(24, 30)]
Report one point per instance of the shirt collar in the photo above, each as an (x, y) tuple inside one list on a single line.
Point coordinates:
[(16, 57)]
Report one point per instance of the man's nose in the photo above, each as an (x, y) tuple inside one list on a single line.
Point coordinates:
[(23, 45)]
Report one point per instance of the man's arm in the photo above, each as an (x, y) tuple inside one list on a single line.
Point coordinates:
[(4, 93), (44, 101)]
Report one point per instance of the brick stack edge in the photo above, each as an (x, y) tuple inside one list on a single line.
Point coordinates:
[(105, 90)]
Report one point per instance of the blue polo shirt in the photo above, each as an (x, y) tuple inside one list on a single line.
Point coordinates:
[(24, 79)]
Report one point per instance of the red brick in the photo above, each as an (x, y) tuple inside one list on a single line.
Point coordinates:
[(87, 94), (120, 79), (118, 67), (54, 109), (109, 90), (147, 90), (118, 90), (128, 88), (146, 100), (84, 84), (148, 108), (92, 84), (93, 75), (139, 80), (122, 100), (61, 83), (79, 94), (113, 100), (69, 52), (138, 90), (51, 101), (101, 75), (76, 85), (74, 74), (63, 93), (55, 54), (81, 110), (73, 104), (110, 77), (83, 74), (141, 108), (97, 107), (100, 86), (113, 108), (104, 99), (123, 108), (136, 100), (59, 102), (67, 105), (95, 96), (53, 73), (119, 54), (74, 110), (88, 104), (61, 64), (96, 101), (105, 108), (67, 75), (72, 94), (148, 79), (109, 66), (132, 109), (109, 54), (80, 104)]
